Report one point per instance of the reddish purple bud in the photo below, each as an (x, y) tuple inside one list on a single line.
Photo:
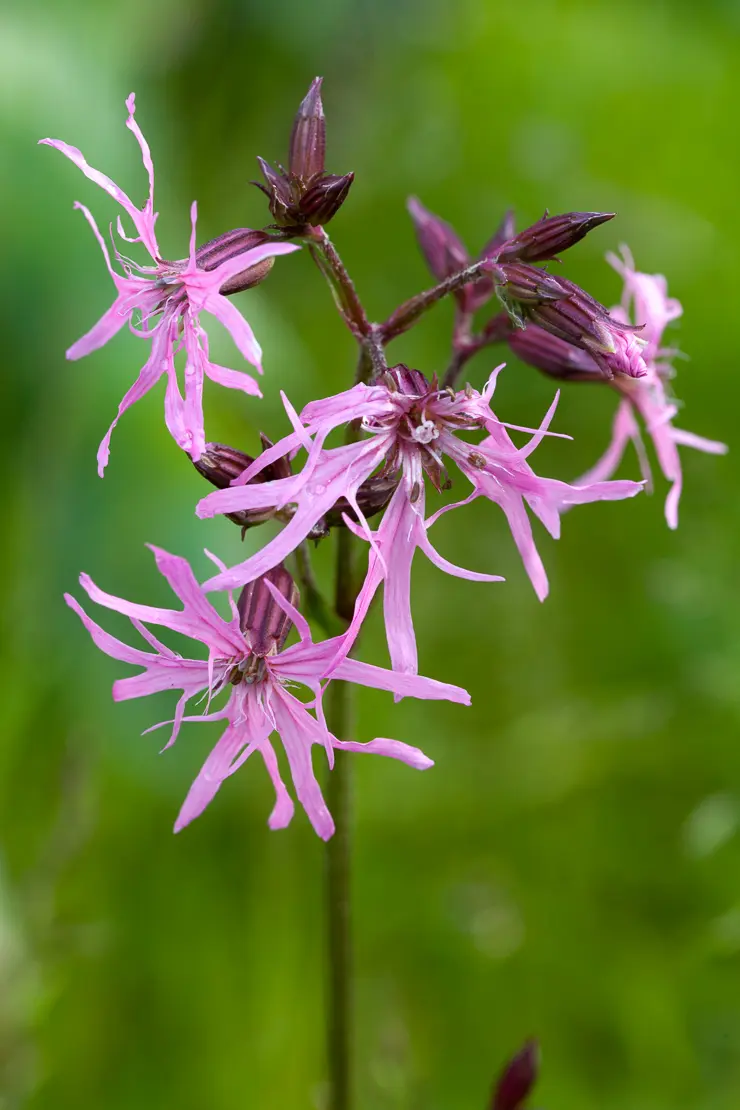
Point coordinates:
[(402, 379), (226, 246), (263, 622), (551, 235), (443, 250), (220, 465), (308, 138), (321, 202), (372, 497), (304, 194), (553, 355), (517, 1079)]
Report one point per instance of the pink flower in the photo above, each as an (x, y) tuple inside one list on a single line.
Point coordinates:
[(167, 299), (245, 658), (412, 426), (646, 298)]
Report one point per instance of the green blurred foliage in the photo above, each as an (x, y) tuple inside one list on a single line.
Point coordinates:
[(569, 869)]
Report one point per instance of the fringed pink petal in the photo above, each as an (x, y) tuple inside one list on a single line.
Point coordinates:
[(395, 749)]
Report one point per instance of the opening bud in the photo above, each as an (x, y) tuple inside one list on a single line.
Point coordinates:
[(585, 323), (551, 235), (552, 355), (263, 622), (517, 1079)]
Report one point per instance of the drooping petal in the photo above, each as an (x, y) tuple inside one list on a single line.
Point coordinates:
[(158, 363), (282, 812), (393, 748), (298, 732), (439, 561), (240, 331), (235, 742)]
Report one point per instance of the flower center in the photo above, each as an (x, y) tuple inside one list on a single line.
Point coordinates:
[(425, 431)]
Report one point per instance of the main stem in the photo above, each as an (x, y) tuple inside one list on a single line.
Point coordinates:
[(371, 339), (338, 912), (338, 856)]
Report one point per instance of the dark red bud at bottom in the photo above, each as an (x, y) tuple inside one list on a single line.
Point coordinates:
[(263, 622), (220, 465), (227, 246), (517, 1079)]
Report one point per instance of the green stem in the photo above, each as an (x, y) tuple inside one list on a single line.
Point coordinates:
[(338, 892), (409, 312), (338, 857)]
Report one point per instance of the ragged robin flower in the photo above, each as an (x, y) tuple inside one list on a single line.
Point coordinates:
[(648, 398), (163, 303), (248, 660), (411, 426)]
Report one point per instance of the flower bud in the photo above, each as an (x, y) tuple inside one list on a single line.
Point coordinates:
[(263, 622), (520, 287), (517, 1079), (550, 235), (526, 284), (402, 379), (304, 194), (325, 197), (226, 246), (220, 465), (552, 355), (308, 138), (442, 248)]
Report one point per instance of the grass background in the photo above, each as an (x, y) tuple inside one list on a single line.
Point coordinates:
[(571, 867)]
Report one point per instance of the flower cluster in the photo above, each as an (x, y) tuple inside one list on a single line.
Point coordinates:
[(404, 431)]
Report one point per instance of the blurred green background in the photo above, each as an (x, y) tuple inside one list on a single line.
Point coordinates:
[(570, 869)]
